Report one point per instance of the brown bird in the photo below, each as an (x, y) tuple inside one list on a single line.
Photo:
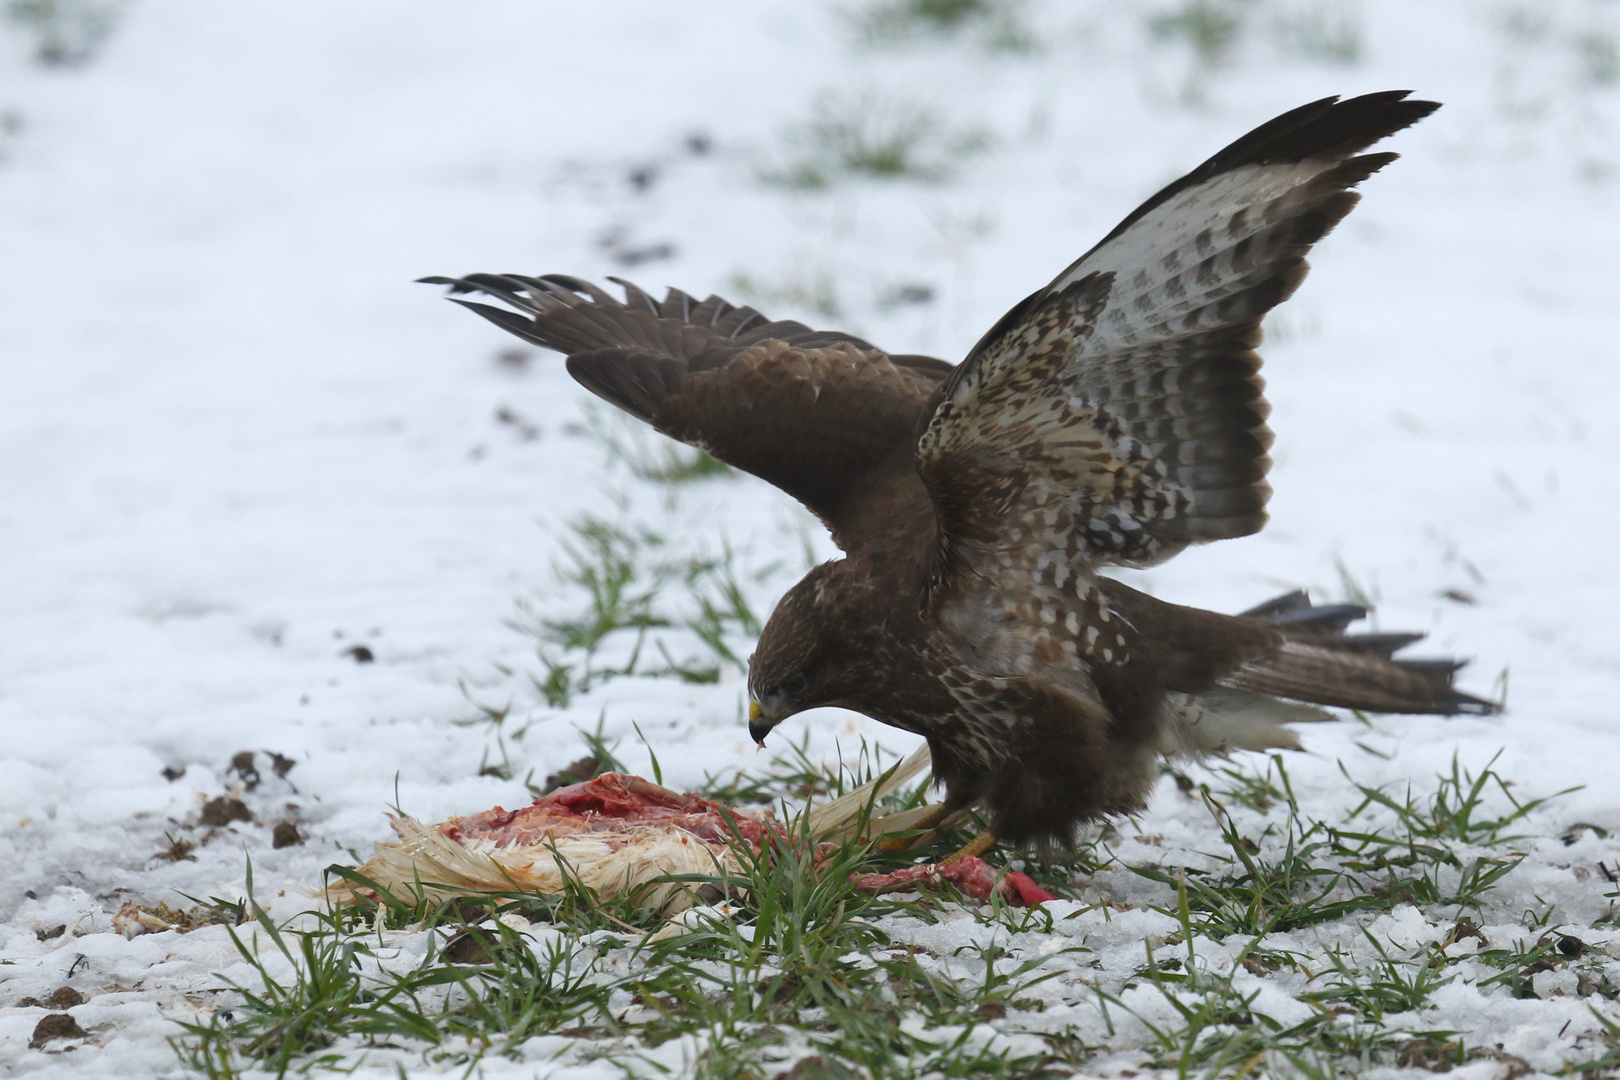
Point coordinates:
[(1111, 419)]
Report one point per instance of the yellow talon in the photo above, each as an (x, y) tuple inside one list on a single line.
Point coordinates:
[(974, 847)]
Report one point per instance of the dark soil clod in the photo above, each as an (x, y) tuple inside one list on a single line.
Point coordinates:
[(242, 765), (474, 946), (64, 997), (223, 811), (285, 835), (56, 1026)]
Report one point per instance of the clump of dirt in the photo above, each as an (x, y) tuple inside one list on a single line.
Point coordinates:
[(56, 1026), (223, 810), (285, 834), (64, 997), (244, 765)]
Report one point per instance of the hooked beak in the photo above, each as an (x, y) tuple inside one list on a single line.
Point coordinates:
[(758, 725)]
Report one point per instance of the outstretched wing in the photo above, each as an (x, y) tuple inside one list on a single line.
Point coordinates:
[(813, 412), (1117, 415)]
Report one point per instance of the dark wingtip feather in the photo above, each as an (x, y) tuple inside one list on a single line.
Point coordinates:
[(510, 321), (457, 285), (1327, 129)]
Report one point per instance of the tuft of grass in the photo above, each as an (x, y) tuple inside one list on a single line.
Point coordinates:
[(1388, 987), (1599, 54), (637, 599), (649, 455), (813, 290), (323, 1000), (1316, 872), (723, 608), (610, 564), (873, 137), (805, 949), (1327, 31), (1220, 1032), (999, 25), (67, 33), (1214, 32), (1210, 28), (1457, 810)]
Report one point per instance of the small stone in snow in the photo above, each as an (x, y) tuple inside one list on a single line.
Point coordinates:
[(285, 835), (51, 933)]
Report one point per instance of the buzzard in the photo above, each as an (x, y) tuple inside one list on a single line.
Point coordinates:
[(1111, 419)]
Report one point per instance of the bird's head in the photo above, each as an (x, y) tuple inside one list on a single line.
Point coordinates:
[(801, 661)]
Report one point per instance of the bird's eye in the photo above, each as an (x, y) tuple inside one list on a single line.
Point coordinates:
[(794, 685)]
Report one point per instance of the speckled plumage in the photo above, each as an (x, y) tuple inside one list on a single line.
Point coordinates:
[(1112, 418)]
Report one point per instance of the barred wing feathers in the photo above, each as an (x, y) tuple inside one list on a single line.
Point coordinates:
[(813, 412), (1117, 415)]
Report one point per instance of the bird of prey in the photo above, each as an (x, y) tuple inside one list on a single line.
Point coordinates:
[(1112, 418)]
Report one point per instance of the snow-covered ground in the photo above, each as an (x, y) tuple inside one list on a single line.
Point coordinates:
[(238, 442)]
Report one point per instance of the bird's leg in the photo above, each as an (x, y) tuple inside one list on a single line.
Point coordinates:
[(891, 844), (976, 846)]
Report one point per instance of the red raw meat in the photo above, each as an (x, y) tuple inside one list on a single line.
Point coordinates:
[(971, 874), (618, 803), (613, 802)]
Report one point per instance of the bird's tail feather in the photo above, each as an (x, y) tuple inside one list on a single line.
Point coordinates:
[(1321, 664)]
